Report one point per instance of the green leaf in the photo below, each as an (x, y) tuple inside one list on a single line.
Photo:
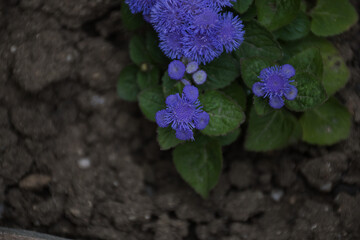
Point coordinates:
[(271, 131), (229, 138), (130, 21), (241, 6), (166, 138), (225, 114), (311, 93), (250, 14), (151, 100), (138, 51), (127, 87), (221, 72), (237, 93), (148, 79), (331, 17), (170, 86), (261, 106), (152, 46), (297, 29), (308, 61), (199, 163), (335, 74), (327, 124), (167, 84), (251, 68), (258, 42), (274, 14)]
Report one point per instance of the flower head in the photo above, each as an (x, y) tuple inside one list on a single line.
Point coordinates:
[(201, 47), (220, 3), (192, 67), (230, 31), (183, 113), (168, 16), (144, 6), (171, 44), (199, 77), (176, 70), (195, 29), (205, 21), (275, 84)]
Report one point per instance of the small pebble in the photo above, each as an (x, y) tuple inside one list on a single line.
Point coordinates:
[(34, 181), (326, 187), (84, 163), (69, 58), (97, 100), (313, 227), (13, 49), (277, 194)]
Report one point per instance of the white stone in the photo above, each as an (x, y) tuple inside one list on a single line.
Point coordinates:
[(277, 194), (84, 163)]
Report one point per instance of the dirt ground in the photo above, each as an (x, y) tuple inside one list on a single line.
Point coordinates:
[(77, 162)]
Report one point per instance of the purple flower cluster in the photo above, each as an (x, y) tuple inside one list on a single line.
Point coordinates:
[(183, 113), (177, 70), (275, 84), (194, 29)]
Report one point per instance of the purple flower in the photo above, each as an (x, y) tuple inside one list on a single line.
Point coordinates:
[(275, 84), (195, 29), (183, 113), (144, 6), (205, 21), (193, 7), (168, 16), (199, 77), (192, 67), (171, 44), (230, 31), (220, 3), (176, 70), (201, 47)]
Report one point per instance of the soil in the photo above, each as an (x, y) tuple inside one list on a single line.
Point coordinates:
[(77, 162)]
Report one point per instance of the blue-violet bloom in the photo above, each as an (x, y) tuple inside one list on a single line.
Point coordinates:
[(201, 47), (220, 3), (176, 70), (168, 16), (192, 67), (171, 44), (183, 113), (199, 77), (230, 31), (275, 84), (143, 6)]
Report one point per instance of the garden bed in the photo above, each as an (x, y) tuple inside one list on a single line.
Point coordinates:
[(77, 162)]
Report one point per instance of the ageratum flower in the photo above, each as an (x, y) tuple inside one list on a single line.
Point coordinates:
[(168, 16), (205, 21), (176, 70), (199, 77), (195, 29), (230, 31), (140, 6), (171, 44), (192, 67), (275, 84), (201, 47), (183, 113), (220, 3)]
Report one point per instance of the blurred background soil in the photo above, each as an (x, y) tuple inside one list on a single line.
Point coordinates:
[(77, 162)]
